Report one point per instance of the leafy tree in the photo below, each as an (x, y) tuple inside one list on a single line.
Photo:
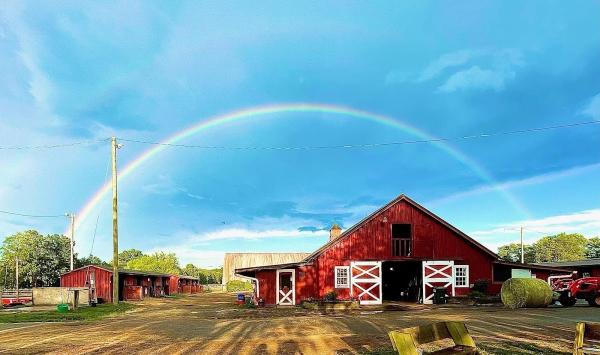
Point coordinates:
[(127, 255), (560, 247), (41, 258), (92, 260), (167, 263), (512, 253), (593, 248), (206, 276)]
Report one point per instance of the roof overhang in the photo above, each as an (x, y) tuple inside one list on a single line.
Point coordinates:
[(533, 266), (269, 267), (570, 264)]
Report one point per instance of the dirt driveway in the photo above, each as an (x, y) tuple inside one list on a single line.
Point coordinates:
[(210, 323)]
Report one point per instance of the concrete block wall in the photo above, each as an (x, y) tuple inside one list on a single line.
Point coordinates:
[(49, 296)]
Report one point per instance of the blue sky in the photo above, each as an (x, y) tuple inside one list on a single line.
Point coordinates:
[(145, 70)]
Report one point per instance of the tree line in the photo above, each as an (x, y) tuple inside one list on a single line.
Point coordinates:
[(43, 258), (553, 248)]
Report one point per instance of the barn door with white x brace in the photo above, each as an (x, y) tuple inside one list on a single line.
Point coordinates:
[(286, 287), (366, 281), (437, 273)]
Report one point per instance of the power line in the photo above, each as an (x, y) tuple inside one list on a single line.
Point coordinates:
[(340, 146), (53, 146), (31, 215), (369, 145)]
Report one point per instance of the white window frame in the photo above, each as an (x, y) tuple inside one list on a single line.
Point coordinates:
[(335, 275), (466, 276)]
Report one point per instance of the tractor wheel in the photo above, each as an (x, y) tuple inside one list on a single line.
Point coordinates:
[(594, 301), (567, 301)]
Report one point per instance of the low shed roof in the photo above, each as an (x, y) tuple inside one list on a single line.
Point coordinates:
[(532, 266), (133, 272), (577, 263)]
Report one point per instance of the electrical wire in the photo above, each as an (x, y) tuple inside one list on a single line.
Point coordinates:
[(98, 216), (369, 145), (32, 215), (341, 146), (53, 146)]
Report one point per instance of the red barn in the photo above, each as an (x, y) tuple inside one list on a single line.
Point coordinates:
[(399, 252)]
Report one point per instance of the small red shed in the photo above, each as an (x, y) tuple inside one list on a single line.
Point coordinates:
[(399, 252)]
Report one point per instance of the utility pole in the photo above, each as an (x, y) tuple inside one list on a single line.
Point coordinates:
[(115, 283), (522, 248), (17, 275), (71, 216)]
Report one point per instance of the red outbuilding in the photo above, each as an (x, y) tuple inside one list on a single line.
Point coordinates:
[(399, 252), (584, 268), (133, 285)]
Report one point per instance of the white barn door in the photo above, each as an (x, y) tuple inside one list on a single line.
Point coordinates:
[(286, 287), (365, 281), (437, 273)]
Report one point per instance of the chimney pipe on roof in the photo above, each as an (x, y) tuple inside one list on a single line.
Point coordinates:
[(335, 231)]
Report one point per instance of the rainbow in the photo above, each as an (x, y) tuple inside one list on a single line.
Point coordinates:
[(251, 112)]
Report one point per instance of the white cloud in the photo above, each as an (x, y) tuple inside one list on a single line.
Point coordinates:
[(40, 86), (246, 234), (446, 61), (585, 222), (511, 184), (483, 68), (477, 78), (593, 108), (193, 247)]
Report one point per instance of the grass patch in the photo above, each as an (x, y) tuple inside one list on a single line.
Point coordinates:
[(174, 296), (83, 313)]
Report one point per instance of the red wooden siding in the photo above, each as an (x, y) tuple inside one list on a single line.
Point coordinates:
[(267, 284), (173, 284), (78, 277)]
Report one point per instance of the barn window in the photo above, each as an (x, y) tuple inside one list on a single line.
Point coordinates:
[(401, 239), (342, 277), (461, 275)]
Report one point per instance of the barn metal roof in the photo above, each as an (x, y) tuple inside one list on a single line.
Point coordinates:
[(132, 272), (585, 262), (532, 266)]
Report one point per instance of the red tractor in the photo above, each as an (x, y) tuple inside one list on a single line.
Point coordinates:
[(569, 290)]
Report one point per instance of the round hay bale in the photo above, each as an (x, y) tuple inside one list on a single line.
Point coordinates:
[(519, 293)]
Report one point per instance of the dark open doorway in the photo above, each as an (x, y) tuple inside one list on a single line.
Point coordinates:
[(401, 280)]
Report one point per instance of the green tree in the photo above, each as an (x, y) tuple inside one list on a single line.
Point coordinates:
[(560, 247), (127, 255), (41, 258), (92, 260), (593, 248), (158, 262), (512, 253)]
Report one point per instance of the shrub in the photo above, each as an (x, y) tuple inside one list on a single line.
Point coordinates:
[(481, 286), (331, 296), (238, 285)]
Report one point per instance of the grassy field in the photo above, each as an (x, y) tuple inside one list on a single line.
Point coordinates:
[(82, 313)]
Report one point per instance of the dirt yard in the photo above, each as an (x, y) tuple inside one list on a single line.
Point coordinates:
[(211, 324)]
